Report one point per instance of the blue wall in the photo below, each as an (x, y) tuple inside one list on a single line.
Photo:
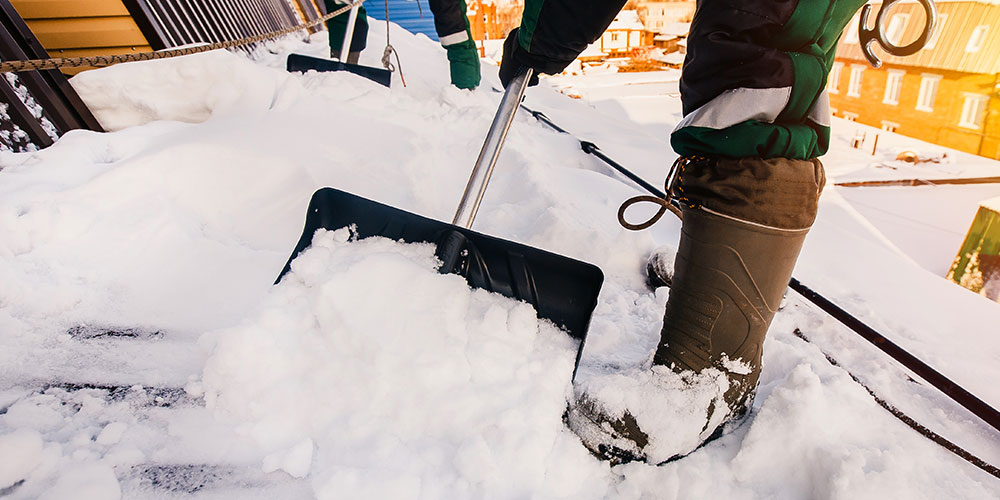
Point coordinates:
[(405, 13)]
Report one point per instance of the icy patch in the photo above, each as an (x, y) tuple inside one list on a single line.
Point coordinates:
[(375, 376)]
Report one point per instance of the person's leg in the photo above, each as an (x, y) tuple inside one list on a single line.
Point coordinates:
[(756, 118), (453, 31), (337, 27)]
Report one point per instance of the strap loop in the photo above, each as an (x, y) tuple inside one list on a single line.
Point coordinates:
[(664, 203)]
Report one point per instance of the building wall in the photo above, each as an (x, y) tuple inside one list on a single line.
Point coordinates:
[(940, 125), (614, 41), (656, 15), (75, 28)]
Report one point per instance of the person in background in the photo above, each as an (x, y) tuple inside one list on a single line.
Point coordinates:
[(453, 31), (336, 27), (756, 117)]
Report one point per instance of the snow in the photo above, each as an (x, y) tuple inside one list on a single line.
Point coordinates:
[(144, 352), (626, 20), (992, 204)]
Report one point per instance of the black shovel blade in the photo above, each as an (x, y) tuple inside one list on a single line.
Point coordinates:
[(562, 290), (300, 64)]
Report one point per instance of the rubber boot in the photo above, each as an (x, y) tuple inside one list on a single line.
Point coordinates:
[(744, 222), (729, 278), (660, 268)]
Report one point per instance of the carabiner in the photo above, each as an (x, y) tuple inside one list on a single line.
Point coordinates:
[(867, 36)]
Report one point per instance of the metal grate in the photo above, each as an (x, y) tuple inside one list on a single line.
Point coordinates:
[(173, 23), (36, 107)]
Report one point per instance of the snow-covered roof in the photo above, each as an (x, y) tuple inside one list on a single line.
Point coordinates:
[(627, 20), (677, 29), (671, 58)]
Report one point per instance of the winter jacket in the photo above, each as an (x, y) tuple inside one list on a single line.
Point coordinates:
[(754, 77)]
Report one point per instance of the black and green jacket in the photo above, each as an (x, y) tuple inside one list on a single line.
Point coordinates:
[(754, 78)]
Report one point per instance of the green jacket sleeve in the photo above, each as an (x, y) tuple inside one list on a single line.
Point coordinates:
[(554, 32)]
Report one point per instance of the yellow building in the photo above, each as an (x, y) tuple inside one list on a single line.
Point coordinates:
[(945, 94)]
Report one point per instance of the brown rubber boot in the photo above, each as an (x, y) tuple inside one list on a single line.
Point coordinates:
[(729, 279), (744, 222)]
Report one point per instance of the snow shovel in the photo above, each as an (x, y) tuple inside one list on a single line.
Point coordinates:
[(300, 64), (561, 289)]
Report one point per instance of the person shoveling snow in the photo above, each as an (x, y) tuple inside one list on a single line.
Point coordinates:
[(756, 118)]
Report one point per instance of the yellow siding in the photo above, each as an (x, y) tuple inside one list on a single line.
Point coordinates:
[(949, 51), (75, 28), (48, 9)]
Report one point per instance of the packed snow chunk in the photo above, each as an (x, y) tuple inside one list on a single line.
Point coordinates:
[(678, 411), (111, 434), (400, 380), (295, 461), (21, 452), (189, 88), (85, 481)]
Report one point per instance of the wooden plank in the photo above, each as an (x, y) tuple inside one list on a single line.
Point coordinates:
[(921, 182), (101, 51), (55, 34), (975, 266), (48, 9)]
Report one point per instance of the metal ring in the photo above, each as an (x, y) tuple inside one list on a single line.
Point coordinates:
[(867, 36)]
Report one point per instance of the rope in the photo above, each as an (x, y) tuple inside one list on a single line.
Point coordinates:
[(390, 50), (108, 60), (913, 424), (666, 201)]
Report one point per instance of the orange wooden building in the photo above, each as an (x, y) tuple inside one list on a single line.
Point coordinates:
[(945, 94)]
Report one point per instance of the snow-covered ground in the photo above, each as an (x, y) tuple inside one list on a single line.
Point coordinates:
[(144, 352)]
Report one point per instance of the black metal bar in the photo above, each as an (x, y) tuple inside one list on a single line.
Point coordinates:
[(170, 12), (148, 24), (234, 18), (219, 17), (961, 396), (167, 23), (50, 88), (199, 22), (22, 117)]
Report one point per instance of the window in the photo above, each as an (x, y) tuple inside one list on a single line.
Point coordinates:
[(614, 37), (973, 110), (937, 31), (893, 86), (854, 88), (852, 117), (852, 31), (928, 92), (897, 25), (889, 126), (833, 81), (977, 38)]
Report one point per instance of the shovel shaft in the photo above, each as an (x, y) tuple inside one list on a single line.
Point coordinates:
[(352, 19), (481, 173)]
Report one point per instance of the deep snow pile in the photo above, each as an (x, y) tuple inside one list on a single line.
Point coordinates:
[(144, 352)]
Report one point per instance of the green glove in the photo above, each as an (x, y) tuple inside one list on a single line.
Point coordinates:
[(464, 60)]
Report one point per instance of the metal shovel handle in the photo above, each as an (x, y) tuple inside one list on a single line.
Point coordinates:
[(352, 19), (483, 170)]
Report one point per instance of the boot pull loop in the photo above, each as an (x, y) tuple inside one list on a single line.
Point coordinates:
[(665, 203)]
